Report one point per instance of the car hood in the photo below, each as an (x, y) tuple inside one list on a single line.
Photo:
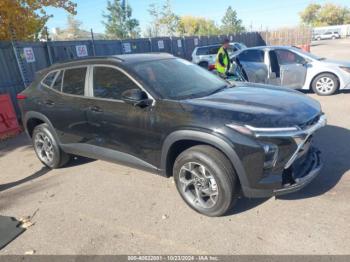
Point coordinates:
[(259, 106), (336, 62)]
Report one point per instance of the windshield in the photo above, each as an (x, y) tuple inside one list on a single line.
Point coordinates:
[(178, 79), (309, 55)]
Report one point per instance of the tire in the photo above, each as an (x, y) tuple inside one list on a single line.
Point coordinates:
[(220, 180), (325, 84), (47, 148), (204, 65)]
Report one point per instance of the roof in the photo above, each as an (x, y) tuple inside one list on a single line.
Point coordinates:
[(269, 47), (129, 58)]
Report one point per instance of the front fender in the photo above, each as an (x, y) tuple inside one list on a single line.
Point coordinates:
[(216, 141)]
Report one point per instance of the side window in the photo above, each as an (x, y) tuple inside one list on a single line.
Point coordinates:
[(286, 57), (202, 51), (214, 50), (49, 79), (74, 81), (256, 56), (110, 83), (58, 83)]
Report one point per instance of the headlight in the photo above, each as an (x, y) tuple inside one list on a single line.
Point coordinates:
[(263, 132), (271, 155), (346, 69)]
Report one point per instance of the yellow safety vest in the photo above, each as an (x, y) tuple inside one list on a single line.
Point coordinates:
[(221, 69)]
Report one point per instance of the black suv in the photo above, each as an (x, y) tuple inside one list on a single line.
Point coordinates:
[(171, 117)]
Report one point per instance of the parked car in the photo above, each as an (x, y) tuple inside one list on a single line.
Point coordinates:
[(205, 56), (327, 35), (168, 116), (294, 68)]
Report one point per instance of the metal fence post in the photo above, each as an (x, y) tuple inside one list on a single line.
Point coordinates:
[(150, 44), (18, 63), (49, 52), (93, 42)]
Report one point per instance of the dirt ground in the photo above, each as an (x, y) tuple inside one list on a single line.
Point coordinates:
[(95, 207)]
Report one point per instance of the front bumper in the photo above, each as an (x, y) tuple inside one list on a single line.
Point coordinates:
[(303, 177), (297, 178)]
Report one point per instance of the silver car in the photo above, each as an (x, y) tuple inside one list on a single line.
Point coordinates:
[(327, 35), (294, 68), (205, 56)]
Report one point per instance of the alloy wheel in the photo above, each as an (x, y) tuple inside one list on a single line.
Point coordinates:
[(325, 85), (198, 185), (44, 147)]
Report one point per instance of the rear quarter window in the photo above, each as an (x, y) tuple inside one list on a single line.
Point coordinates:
[(48, 80)]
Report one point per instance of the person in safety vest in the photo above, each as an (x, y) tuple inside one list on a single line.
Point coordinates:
[(222, 63)]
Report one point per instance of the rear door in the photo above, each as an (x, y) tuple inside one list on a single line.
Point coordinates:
[(293, 68), (68, 105), (253, 64)]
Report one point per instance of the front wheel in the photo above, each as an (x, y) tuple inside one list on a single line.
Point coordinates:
[(47, 148), (325, 84), (206, 180)]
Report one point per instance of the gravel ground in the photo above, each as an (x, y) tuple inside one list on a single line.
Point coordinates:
[(95, 207)]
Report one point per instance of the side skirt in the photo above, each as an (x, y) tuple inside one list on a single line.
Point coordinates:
[(96, 152)]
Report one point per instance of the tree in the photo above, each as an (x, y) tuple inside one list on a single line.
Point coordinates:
[(230, 22), (310, 15), (169, 20), (328, 14), (73, 31), (27, 18), (119, 23), (164, 22), (190, 25)]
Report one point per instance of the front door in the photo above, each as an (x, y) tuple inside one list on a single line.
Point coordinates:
[(293, 68), (117, 125)]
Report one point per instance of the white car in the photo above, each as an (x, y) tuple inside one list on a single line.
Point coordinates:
[(205, 56), (327, 35), (294, 68)]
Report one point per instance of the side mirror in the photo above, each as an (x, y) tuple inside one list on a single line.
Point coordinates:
[(136, 97)]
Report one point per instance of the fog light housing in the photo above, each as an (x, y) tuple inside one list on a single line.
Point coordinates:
[(271, 155)]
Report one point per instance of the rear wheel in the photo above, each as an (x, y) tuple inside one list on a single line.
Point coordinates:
[(47, 148), (206, 180), (325, 84)]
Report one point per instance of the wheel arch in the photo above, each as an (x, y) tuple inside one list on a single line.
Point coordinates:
[(179, 141), (325, 72), (33, 119)]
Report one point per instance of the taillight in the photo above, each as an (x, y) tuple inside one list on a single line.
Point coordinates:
[(21, 97), (211, 67)]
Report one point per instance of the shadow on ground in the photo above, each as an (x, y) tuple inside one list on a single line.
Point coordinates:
[(77, 161), (41, 172), (20, 141)]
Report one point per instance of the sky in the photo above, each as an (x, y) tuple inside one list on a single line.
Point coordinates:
[(260, 14)]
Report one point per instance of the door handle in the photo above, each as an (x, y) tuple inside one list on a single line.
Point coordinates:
[(95, 109), (49, 102)]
